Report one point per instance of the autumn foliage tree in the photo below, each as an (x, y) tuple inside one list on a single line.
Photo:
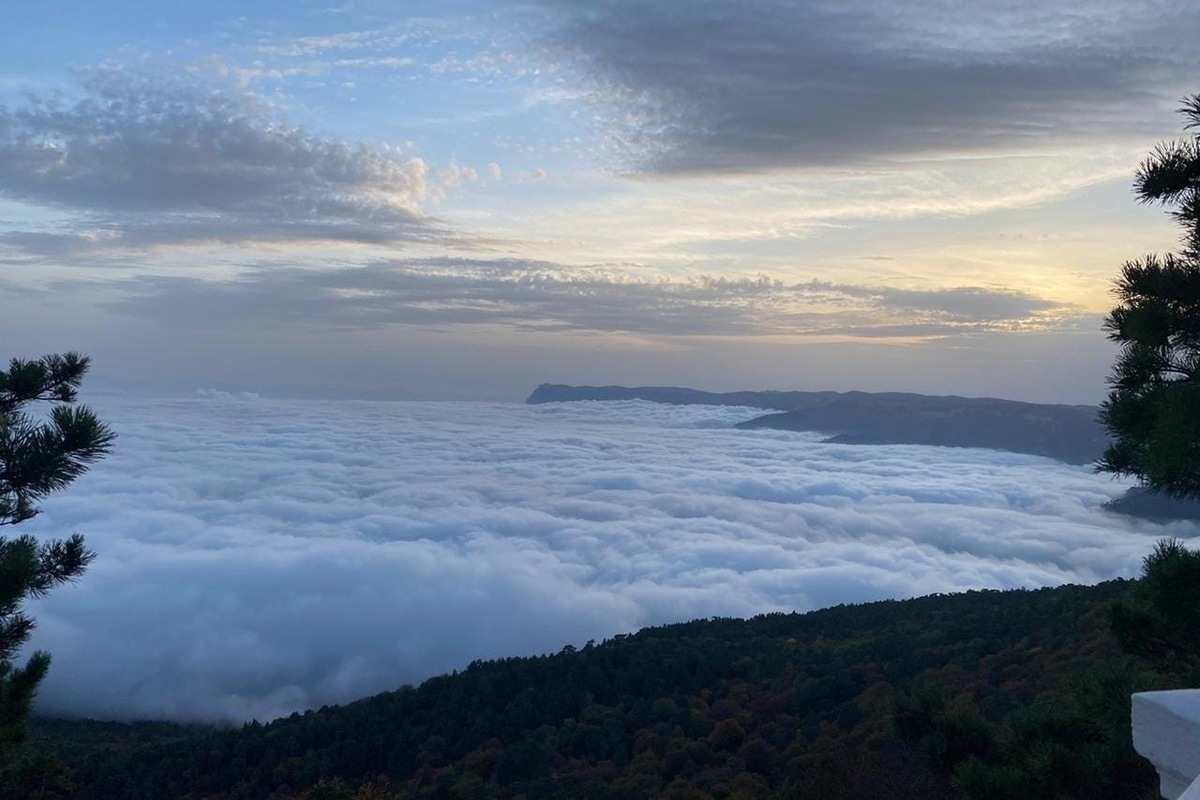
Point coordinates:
[(39, 455)]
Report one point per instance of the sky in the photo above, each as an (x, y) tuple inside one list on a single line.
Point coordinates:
[(294, 553), (464, 198)]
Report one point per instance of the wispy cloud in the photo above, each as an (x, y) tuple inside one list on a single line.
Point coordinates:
[(475, 46), (546, 296)]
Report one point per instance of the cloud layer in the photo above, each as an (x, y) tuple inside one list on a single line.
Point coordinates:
[(718, 86), (536, 295), (260, 556), (154, 160)]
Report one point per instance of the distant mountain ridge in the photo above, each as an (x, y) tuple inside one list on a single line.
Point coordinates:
[(674, 395), (1068, 433)]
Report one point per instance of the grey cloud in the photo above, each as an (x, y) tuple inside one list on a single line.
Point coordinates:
[(263, 556), (716, 86), (26, 246), (147, 160), (960, 304), (546, 296), (969, 303)]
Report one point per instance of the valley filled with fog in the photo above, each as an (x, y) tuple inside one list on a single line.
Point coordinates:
[(258, 557)]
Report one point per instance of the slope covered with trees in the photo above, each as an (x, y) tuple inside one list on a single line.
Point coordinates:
[(783, 705)]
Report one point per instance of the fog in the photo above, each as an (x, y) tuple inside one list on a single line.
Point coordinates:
[(262, 556)]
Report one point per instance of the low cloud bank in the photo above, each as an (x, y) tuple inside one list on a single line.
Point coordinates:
[(259, 558)]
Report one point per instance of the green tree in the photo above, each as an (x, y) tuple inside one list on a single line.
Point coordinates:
[(1153, 410), (38, 456), (1160, 620)]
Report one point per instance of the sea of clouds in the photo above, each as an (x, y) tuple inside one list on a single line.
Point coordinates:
[(261, 556)]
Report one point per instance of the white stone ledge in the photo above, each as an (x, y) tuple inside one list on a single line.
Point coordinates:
[(1166, 730)]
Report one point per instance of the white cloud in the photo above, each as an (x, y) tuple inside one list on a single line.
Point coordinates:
[(221, 394), (261, 557)]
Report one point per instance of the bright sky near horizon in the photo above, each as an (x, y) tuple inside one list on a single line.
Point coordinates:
[(467, 197)]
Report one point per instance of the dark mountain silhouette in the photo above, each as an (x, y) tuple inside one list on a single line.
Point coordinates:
[(1139, 502), (1067, 433)]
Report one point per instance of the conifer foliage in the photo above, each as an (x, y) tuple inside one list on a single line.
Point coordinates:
[(39, 455), (1160, 620), (1153, 410)]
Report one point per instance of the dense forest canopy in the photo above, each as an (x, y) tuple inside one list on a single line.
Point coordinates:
[(779, 706)]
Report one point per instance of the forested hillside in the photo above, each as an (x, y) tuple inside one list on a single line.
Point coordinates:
[(780, 706)]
